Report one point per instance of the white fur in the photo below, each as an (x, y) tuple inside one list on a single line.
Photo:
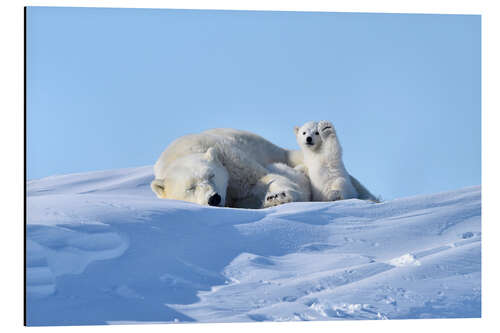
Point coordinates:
[(322, 154), (286, 184), (244, 169)]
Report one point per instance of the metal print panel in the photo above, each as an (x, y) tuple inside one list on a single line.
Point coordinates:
[(236, 166)]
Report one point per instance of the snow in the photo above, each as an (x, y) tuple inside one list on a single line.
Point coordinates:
[(405, 260), (102, 249)]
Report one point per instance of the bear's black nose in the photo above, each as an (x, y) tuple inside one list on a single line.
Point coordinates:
[(309, 139), (214, 200)]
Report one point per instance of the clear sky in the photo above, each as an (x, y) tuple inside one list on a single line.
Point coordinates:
[(111, 88)]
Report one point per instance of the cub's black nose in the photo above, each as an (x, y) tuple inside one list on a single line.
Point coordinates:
[(309, 139), (214, 200)]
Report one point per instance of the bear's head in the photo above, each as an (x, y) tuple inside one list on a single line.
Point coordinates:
[(308, 136), (199, 177)]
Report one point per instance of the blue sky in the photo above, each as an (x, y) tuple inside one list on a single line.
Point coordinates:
[(111, 88)]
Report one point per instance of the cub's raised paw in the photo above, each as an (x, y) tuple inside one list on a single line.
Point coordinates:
[(277, 198), (325, 128)]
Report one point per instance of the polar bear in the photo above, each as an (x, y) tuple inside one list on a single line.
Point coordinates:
[(322, 156), (228, 167), (296, 181)]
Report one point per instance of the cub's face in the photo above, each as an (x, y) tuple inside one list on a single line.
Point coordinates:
[(308, 136), (198, 178)]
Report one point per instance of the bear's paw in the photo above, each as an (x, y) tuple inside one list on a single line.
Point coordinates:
[(277, 198), (325, 128)]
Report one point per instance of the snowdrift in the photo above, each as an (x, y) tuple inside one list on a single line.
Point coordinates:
[(102, 249)]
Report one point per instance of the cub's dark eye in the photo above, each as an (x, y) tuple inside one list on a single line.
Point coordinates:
[(317, 133), (303, 133)]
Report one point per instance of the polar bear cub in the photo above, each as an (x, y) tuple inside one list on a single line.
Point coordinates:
[(329, 178)]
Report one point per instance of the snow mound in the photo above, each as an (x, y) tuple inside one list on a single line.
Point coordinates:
[(405, 260), (101, 248)]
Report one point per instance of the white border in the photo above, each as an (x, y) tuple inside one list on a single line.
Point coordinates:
[(11, 139), (422, 6)]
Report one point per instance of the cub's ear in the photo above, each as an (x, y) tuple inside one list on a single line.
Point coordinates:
[(158, 186), (211, 154), (296, 129)]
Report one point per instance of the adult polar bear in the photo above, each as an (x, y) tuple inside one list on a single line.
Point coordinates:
[(233, 168), (228, 167)]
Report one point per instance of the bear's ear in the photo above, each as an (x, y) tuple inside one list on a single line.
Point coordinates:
[(158, 186), (296, 129), (211, 154)]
